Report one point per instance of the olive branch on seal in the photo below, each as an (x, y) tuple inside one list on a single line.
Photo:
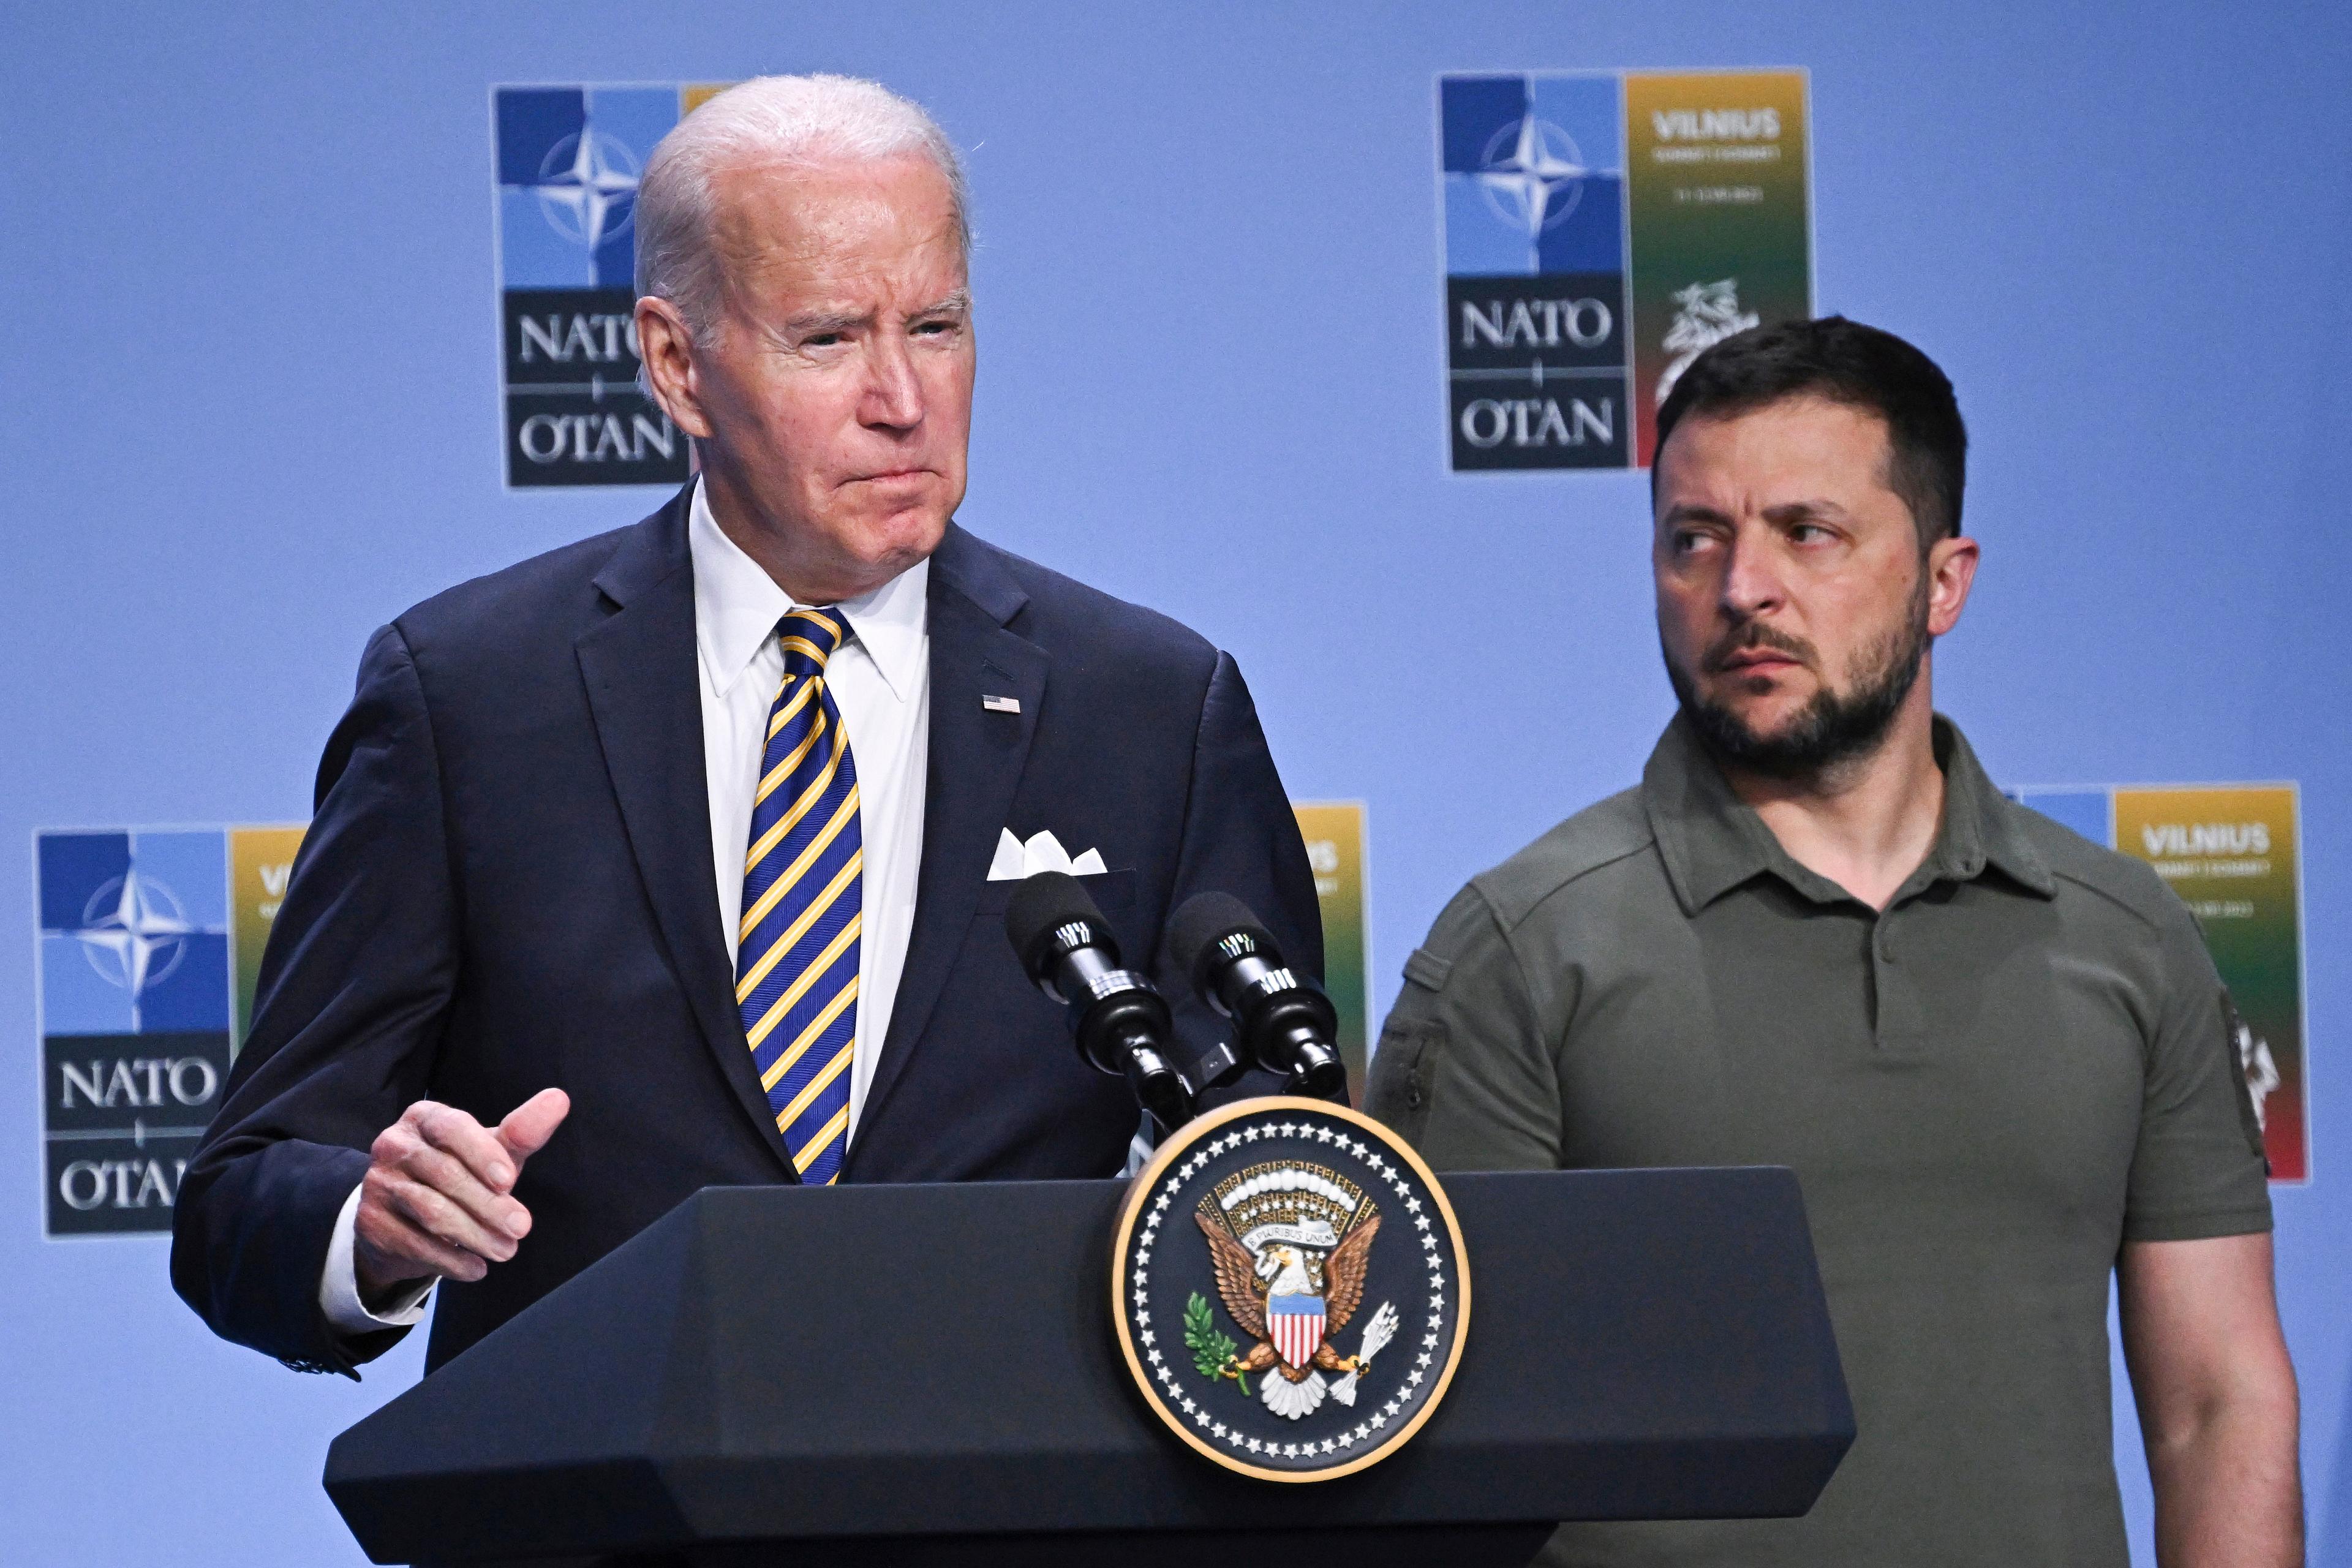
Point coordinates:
[(1213, 1352)]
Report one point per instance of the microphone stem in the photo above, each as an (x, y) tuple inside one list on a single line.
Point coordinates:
[(1159, 1087)]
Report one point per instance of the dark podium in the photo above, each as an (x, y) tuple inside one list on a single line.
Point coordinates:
[(929, 1375)]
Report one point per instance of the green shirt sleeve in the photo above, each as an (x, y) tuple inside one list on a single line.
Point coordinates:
[(1465, 1070), (2198, 1170)]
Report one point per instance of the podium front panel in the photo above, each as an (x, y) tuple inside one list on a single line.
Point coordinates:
[(782, 1363)]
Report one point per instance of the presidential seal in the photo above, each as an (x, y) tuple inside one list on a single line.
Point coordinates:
[(1290, 1288)]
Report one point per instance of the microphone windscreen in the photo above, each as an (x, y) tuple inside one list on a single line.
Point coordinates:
[(1042, 902), (1205, 919)]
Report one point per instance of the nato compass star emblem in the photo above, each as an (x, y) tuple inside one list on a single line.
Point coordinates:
[(1251, 1254), (1533, 175), (588, 186), (133, 932)]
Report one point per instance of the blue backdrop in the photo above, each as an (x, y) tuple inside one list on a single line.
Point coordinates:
[(250, 400)]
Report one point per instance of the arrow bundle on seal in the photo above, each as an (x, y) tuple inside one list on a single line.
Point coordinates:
[(1377, 1334)]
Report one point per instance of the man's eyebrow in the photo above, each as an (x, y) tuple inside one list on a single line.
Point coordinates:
[(1691, 512), (1796, 511), (817, 323)]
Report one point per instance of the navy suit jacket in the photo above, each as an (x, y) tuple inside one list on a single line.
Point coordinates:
[(507, 885)]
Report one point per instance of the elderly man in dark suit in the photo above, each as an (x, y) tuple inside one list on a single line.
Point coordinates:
[(677, 858)]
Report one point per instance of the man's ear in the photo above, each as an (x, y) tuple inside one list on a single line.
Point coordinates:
[(1951, 570), (672, 372)]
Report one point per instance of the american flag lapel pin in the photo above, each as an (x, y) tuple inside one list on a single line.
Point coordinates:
[(1000, 704)]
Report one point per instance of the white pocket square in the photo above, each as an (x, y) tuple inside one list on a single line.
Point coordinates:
[(1043, 852)]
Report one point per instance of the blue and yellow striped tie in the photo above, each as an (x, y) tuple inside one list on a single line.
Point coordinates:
[(796, 949)]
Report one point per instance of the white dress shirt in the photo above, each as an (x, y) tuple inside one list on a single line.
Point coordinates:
[(881, 682)]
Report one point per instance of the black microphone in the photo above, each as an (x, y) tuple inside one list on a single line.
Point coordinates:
[(1117, 1016), (1282, 1019)]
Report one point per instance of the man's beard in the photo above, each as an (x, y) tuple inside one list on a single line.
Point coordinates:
[(1832, 728)]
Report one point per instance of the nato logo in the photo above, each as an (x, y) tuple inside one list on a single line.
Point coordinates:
[(1535, 179), (568, 163), (135, 1003), (1532, 173)]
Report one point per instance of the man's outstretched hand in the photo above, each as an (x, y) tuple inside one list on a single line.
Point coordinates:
[(438, 1201)]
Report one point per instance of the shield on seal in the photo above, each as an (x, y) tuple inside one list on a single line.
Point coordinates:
[(1296, 1325)]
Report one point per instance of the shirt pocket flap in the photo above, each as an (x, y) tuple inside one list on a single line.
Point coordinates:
[(1405, 1069), (1425, 968)]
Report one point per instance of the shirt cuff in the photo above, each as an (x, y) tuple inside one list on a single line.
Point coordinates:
[(339, 1284)]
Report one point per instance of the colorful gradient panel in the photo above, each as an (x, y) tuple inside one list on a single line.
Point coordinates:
[(260, 860), (1334, 831), (1720, 222), (2232, 853)]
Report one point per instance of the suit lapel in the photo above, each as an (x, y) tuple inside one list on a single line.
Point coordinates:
[(975, 761), (639, 665)]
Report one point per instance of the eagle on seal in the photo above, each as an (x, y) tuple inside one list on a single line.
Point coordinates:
[(1250, 1285)]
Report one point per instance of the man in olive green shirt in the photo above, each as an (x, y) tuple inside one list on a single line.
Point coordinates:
[(1997, 1055)]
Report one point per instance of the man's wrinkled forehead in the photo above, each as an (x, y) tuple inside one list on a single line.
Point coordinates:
[(810, 217), (1794, 454)]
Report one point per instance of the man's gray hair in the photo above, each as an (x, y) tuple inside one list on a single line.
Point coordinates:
[(793, 120)]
